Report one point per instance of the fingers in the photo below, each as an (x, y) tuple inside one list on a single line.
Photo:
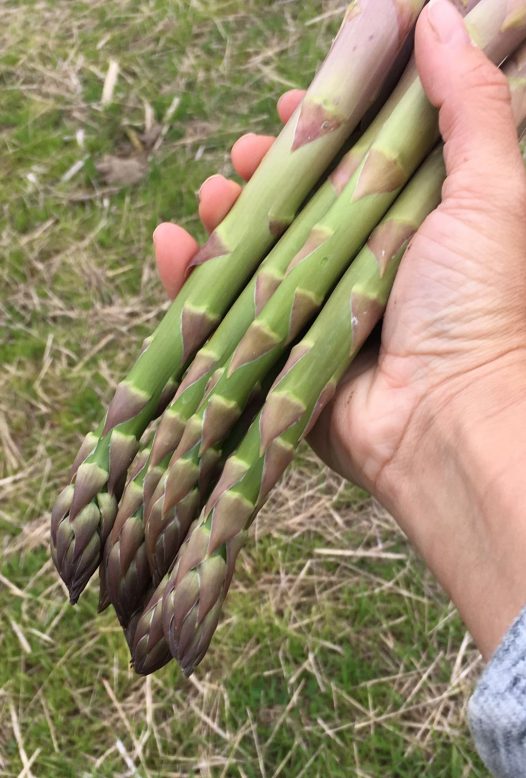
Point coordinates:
[(473, 99), (248, 152), (174, 249), (216, 197), (174, 246), (288, 103)]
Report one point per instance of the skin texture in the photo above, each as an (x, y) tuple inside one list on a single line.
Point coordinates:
[(433, 423)]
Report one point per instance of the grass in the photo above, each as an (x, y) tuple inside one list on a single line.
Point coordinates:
[(338, 655)]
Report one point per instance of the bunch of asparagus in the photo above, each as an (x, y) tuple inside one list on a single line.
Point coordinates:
[(246, 357)]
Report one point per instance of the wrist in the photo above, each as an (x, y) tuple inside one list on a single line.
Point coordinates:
[(455, 487)]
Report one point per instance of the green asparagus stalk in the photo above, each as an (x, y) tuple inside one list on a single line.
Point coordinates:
[(197, 587), (405, 139), (195, 591), (337, 99), (150, 640)]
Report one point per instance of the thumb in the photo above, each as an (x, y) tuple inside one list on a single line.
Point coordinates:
[(473, 98)]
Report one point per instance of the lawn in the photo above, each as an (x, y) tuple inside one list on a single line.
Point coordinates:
[(338, 655)]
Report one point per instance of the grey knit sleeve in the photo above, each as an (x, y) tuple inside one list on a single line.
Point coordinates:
[(497, 710)]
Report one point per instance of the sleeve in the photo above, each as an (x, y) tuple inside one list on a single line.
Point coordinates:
[(497, 709)]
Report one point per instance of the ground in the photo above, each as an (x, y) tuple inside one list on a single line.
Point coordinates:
[(338, 655)]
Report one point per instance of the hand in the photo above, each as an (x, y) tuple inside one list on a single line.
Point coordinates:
[(429, 424)]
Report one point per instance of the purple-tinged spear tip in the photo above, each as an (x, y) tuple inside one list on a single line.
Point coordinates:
[(196, 649), (166, 530), (126, 571), (149, 648), (80, 520)]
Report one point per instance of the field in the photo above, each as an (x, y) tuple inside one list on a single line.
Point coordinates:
[(338, 655)]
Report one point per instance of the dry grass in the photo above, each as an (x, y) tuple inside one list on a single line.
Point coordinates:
[(337, 655)]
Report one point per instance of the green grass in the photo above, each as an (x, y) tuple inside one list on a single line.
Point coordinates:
[(324, 664)]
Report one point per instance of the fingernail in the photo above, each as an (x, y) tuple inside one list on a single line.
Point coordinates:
[(447, 23), (216, 175)]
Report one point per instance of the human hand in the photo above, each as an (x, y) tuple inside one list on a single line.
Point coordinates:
[(427, 424)]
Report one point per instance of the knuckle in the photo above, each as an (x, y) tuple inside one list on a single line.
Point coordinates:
[(488, 81)]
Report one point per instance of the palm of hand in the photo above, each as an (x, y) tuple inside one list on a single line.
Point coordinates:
[(450, 318)]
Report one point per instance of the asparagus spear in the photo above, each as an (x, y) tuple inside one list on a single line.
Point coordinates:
[(406, 137), (126, 572), (148, 647), (338, 98), (200, 580)]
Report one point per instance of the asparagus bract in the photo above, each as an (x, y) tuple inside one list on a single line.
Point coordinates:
[(149, 648), (374, 31)]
